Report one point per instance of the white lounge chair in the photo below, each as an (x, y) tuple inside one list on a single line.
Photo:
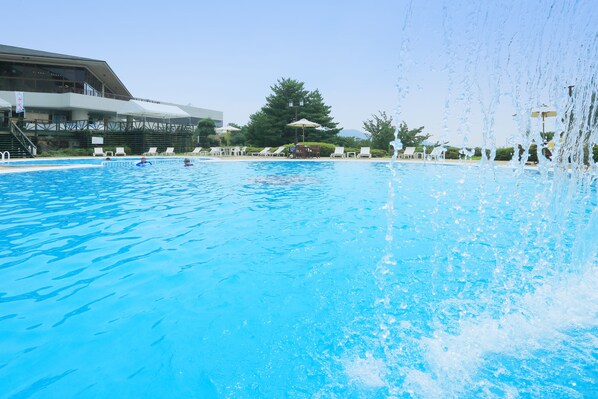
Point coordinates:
[(364, 152), (279, 151), (169, 151), (215, 151), (243, 151), (196, 151), (120, 151), (408, 153), (235, 151), (338, 152), (99, 151), (437, 154), (151, 151), (263, 152)]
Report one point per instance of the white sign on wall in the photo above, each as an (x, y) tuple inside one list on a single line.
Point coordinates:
[(97, 140)]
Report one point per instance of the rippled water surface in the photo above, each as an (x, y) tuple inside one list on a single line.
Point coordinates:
[(292, 279)]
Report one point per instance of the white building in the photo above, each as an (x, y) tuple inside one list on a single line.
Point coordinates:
[(68, 100)]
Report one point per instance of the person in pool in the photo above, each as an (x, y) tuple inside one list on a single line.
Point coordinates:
[(187, 162), (143, 162)]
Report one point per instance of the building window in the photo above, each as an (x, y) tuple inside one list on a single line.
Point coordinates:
[(48, 79)]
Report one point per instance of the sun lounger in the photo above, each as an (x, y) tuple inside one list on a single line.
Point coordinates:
[(408, 153), (279, 151), (196, 151), (364, 152), (338, 152), (437, 154), (99, 151), (151, 151), (215, 151), (263, 152), (169, 151), (120, 151)]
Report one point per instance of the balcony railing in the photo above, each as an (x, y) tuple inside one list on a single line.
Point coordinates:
[(86, 126)]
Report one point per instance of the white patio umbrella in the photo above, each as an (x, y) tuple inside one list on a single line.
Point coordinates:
[(4, 104), (226, 131), (303, 123), (544, 112)]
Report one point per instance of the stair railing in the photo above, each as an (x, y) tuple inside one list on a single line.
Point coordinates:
[(23, 139)]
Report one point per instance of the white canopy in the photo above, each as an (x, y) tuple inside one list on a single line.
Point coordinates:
[(154, 110), (227, 128), (543, 111), (4, 104), (304, 123)]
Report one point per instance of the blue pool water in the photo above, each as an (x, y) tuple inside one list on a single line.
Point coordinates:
[(57, 161), (294, 279), (79, 161)]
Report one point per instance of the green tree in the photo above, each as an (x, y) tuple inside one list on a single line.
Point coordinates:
[(205, 128), (257, 129), (351, 142), (380, 131), (237, 137), (268, 127), (317, 111), (413, 137)]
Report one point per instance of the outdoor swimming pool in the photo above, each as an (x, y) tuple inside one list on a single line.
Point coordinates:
[(294, 279), (78, 161)]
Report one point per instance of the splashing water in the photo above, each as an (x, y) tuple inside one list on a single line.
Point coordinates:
[(531, 327)]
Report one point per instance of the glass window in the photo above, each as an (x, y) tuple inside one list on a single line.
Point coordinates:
[(5, 69), (29, 85), (16, 76), (45, 86)]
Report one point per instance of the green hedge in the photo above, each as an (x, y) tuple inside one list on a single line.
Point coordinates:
[(325, 149), (504, 154), (66, 152)]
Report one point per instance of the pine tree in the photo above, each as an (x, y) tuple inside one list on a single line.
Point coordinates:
[(269, 126)]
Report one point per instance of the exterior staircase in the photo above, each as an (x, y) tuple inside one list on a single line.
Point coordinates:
[(16, 143)]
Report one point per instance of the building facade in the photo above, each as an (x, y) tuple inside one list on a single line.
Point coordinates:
[(75, 102)]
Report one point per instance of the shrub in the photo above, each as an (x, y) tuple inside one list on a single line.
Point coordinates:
[(325, 148), (532, 157), (504, 154), (67, 152), (451, 153), (376, 153)]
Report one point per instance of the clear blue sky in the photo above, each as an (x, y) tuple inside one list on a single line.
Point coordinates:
[(431, 63)]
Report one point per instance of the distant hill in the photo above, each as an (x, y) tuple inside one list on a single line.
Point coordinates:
[(352, 133)]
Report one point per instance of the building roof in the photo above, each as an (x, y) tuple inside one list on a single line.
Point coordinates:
[(99, 68), (154, 110)]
